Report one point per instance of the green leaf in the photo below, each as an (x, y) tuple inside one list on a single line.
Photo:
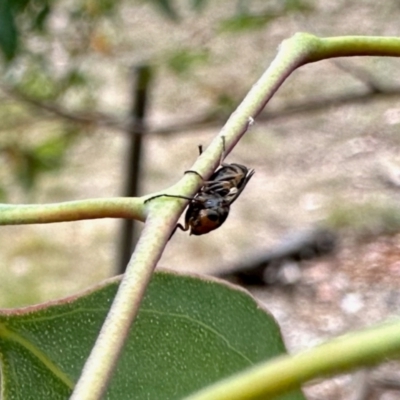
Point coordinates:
[(8, 30), (198, 5), (246, 22), (30, 162), (297, 6), (183, 60), (166, 7), (40, 18), (50, 154), (189, 333), (38, 80)]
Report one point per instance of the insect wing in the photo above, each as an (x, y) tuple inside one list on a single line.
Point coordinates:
[(225, 178), (234, 193)]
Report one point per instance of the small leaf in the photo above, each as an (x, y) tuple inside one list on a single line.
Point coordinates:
[(166, 7), (40, 19), (50, 154), (8, 30), (245, 22), (189, 333), (183, 60), (297, 6), (30, 162), (198, 4), (38, 81)]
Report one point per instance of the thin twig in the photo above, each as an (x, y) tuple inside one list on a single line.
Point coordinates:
[(86, 118), (116, 207), (375, 92)]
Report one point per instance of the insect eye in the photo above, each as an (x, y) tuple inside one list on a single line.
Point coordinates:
[(213, 216)]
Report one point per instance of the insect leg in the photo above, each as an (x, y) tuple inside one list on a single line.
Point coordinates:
[(190, 171), (175, 196), (201, 152), (223, 151), (195, 172), (184, 229)]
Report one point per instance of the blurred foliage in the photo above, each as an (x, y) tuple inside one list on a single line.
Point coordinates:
[(170, 10), (365, 219), (183, 60), (30, 161), (8, 30), (31, 45), (244, 19), (51, 50)]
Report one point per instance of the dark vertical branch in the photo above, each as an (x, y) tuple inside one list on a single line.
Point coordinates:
[(133, 169)]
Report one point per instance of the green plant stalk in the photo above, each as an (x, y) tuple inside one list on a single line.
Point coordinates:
[(350, 46), (161, 220), (286, 373), (163, 213), (119, 207)]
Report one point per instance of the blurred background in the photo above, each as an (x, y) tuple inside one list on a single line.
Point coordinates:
[(102, 98)]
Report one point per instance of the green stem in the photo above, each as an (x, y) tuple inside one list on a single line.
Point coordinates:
[(287, 373), (119, 207), (351, 46), (98, 369)]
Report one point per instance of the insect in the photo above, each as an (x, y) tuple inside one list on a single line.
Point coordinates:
[(209, 208)]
